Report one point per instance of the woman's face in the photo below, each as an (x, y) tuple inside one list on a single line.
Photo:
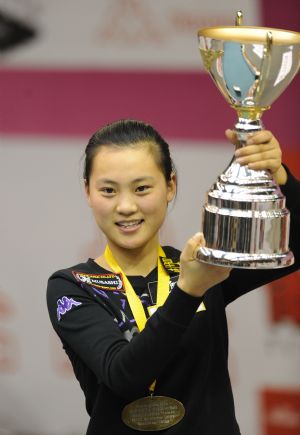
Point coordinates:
[(128, 194)]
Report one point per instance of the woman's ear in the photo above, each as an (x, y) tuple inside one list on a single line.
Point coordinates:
[(87, 192), (172, 187)]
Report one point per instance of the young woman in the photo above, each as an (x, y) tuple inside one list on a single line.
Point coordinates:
[(144, 326)]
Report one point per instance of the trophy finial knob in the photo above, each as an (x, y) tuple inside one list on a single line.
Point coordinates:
[(239, 18)]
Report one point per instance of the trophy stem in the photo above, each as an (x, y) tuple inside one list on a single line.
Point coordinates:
[(242, 176), (245, 127), (237, 175)]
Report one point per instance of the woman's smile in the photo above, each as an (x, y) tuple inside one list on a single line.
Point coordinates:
[(130, 226)]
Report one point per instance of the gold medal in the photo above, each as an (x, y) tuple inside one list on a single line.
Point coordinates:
[(153, 413)]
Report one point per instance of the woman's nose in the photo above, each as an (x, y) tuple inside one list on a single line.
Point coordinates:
[(126, 205)]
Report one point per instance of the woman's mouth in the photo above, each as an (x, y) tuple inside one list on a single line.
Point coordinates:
[(129, 226)]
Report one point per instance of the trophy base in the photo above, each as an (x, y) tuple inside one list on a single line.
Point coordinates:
[(244, 260), (245, 221)]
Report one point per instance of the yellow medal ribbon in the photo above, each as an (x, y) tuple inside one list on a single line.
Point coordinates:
[(135, 304)]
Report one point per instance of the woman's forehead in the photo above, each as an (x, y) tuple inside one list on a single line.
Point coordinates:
[(137, 162), (114, 154), (142, 146)]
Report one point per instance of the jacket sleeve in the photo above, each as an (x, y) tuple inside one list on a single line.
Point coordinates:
[(242, 281), (89, 330)]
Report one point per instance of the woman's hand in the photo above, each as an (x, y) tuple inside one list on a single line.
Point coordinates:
[(197, 277), (262, 152)]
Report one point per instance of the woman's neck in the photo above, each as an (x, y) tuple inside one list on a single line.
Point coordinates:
[(140, 261)]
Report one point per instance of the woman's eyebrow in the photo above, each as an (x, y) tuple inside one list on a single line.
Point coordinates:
[(145, 178), (136, 180), (105, 181)]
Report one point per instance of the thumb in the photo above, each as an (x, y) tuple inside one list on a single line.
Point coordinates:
[(231, 136), (193, 244)]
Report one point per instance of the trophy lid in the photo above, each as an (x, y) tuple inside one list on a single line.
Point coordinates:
[(249, 34)]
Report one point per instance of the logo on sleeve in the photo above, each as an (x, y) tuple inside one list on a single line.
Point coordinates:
[(104, 281), (64, 305)]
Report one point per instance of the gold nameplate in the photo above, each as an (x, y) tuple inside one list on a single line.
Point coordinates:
[(153, 413)]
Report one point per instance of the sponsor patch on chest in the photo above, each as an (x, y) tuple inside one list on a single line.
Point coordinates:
[(170, 265), (104, 281)]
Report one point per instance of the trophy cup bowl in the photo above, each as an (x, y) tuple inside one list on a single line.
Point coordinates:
[(245, 221)]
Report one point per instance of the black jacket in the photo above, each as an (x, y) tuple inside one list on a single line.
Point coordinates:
[(185, 349)]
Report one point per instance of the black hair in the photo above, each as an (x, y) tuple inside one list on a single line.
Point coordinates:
[(128, 132)]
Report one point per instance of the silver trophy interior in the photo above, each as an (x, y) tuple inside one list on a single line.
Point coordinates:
[(245, 221)]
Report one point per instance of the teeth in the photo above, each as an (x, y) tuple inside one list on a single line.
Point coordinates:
[(128, 224)]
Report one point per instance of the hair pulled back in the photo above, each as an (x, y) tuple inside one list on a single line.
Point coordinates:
[(128, 132)]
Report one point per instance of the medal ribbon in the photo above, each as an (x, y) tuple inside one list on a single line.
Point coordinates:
[(135, 304)]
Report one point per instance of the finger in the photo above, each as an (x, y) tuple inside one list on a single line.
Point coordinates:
[(231, 136), (260, 137), (192, 244), (262, 158), (269, 165), (259, 154), (256, 149)]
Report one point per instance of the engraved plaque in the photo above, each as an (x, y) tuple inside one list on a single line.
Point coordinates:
[(153, 413)]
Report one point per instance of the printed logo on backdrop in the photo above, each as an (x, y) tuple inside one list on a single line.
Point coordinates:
[(284, 297), (281, 339), (281, 411), (16, 24), (126, 33), (135, 22), (154, 35), (129, 22)]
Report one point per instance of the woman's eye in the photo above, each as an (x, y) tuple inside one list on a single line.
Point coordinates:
[(143, 189), (107, 190)]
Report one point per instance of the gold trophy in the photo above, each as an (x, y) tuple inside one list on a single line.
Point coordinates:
[(245, 222)]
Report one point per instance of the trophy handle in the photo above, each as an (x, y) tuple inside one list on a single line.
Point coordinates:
[(265, 67)]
